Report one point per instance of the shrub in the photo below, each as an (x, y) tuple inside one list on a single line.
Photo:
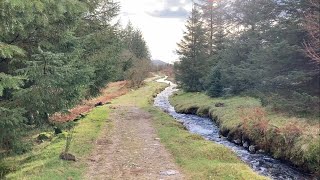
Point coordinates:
[(138, 72), (253, 117), (290, 132), (22, 147)]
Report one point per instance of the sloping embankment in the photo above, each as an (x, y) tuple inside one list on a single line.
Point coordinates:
[(244, 121)]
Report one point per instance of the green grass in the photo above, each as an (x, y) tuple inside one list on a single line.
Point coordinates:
[(230, 115), (184, 101), (141, 97), (43, 162), (294, 139), (198, 158)]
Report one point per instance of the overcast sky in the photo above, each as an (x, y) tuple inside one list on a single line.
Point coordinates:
[(161, 22)]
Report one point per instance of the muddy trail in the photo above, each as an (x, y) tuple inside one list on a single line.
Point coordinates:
[(131, 150)]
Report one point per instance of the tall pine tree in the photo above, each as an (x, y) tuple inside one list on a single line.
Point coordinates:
[(214, 23), (192, 51)]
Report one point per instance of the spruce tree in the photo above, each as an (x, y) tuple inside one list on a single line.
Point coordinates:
[(215, 88), (11, 117), (53, 54), (192, 51), (265, 47), (213, 13)]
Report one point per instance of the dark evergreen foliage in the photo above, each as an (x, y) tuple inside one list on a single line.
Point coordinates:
[(192, 68), (259, 49), (53, 54), (215, 88)]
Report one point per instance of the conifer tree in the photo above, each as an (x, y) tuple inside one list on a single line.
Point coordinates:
[(11, 117), (215, 88), (192, 51), (265, 47), (214, 23), (53, 54), (137, 56)]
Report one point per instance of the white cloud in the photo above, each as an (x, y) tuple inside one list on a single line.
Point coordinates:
[(161, 33)]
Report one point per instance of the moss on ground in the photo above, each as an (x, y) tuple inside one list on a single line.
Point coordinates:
[(43, 162), (289, 138)]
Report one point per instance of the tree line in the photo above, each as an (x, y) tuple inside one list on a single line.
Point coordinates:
[(268, 49), (53, 54)]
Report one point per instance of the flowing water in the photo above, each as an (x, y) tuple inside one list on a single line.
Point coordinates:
[(261, 163)]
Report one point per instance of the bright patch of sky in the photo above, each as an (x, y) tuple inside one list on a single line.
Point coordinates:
[(161, 22)]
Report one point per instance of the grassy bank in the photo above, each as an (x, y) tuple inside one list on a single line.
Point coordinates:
[(198, 158), (244, 119), (43, 161)]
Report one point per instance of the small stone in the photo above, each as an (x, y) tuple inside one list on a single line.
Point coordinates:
[(57, 130), (67, 156), (158, 139), (77, 119), (237, 141), (252, 149), (245, 144), (169, 173), (260, 151), (98, 104)]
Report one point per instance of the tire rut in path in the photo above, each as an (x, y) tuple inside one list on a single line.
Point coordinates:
[(132, 150)]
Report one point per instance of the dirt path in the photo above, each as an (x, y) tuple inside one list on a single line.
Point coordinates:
[(132, 150)]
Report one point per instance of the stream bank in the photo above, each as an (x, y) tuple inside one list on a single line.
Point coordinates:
[(205, 127)]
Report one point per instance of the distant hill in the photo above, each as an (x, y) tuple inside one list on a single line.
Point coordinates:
[(158, 63)]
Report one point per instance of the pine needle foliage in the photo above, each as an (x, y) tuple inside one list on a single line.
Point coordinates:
[(54, 54)]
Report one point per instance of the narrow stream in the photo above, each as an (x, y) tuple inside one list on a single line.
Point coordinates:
[(263, 164)]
